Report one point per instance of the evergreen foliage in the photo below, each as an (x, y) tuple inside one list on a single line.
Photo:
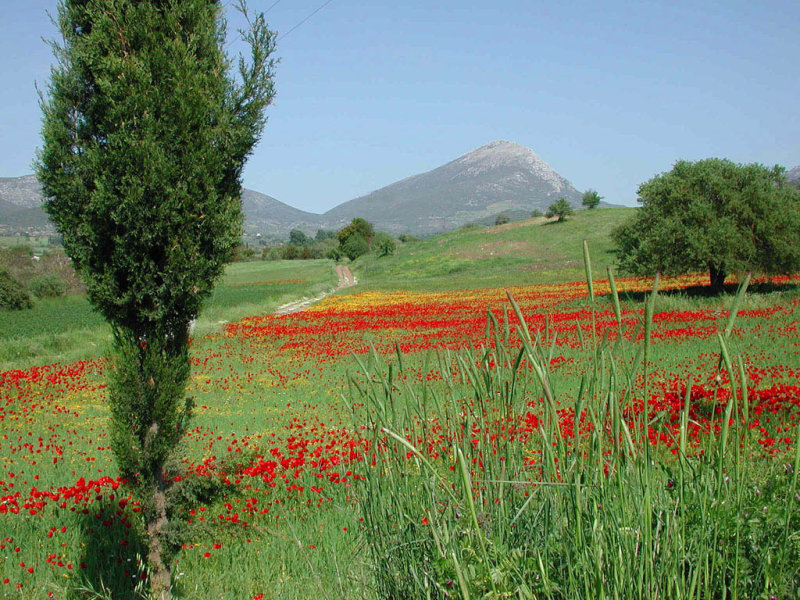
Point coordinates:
[(49, 285), (385, 244), (324, 234), (145, 135), (713, 215), (299, 238), (357, 226)]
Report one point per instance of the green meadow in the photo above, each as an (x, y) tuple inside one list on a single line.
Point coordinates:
[(420, 435), (67, 328)]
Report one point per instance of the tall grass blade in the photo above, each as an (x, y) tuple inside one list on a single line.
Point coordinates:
[(615, 299), (522, 324), (737, 302), (587, 263)]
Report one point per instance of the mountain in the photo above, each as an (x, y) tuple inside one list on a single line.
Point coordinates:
[(265, 214), (21, 204), (793, 176), (22, 192), (501, 177), (498, 177), (21, 210)]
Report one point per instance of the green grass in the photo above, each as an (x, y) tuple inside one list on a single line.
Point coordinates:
[(632, 534), (39, 243), (525, 252), (551, 515), (67, 329)]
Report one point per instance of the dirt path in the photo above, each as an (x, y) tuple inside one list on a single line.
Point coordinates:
[(346, 279)]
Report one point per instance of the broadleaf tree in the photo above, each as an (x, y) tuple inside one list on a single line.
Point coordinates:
[(713, 215), (591, 199), (561, 208), (355, 239), (146, 127)]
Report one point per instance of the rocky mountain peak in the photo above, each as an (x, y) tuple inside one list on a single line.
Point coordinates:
[(516, 160), (500, 176), (24, 192)]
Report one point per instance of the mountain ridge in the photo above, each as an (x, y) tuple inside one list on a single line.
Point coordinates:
[(793, 175), (498, 177)]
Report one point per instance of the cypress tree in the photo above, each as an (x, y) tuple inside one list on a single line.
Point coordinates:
[(146, 128)]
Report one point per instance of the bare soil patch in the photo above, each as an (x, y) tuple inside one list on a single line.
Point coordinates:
[(346, 279)]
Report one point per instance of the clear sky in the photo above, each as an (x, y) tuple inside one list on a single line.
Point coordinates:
[(368, 92)]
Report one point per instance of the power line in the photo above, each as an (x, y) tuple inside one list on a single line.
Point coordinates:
[(274, 4), (304, 20), (239, 37)]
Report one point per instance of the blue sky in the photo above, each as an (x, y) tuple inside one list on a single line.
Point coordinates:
[(608, 93)]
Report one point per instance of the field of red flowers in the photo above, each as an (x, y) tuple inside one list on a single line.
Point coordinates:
[(274, 426)]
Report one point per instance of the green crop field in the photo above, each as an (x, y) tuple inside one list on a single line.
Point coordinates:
[(67, 328)]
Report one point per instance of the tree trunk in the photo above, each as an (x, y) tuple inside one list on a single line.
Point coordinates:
[(160, 575), (717, 276)]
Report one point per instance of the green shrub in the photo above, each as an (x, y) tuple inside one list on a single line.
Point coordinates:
[(355, 246), (560, 208), (334, 254), (13, 294), (290, 252), (48, 286), (384, 244)]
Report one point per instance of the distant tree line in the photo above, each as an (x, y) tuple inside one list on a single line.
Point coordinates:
[(354, 240), (302, 246)]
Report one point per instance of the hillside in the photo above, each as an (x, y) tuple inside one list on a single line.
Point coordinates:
[(793, 176), (498, 177), (21, 204), (526, 252), (21, 192), (265, 214), (21, 210)]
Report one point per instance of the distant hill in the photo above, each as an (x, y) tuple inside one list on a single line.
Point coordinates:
[(21, 204), (265, 214), (498, 177), (793, 176), (22, 192), (21, 209)]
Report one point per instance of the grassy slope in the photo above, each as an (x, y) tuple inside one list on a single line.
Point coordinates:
[(67, 329), (523, 253)]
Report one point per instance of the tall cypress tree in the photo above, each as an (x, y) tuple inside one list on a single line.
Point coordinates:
[(146, 129)]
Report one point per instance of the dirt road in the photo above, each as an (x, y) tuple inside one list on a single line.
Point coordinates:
[(346, 279)]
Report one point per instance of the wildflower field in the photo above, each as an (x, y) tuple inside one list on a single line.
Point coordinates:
[(519, 442)]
